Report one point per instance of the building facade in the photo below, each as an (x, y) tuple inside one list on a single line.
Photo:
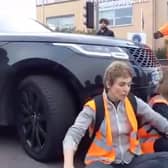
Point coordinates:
[(129, 19)]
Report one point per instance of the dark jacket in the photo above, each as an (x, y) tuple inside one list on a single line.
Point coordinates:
[(161, 108), (105, 32)]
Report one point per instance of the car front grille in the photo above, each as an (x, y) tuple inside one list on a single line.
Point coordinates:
[(143, 57)]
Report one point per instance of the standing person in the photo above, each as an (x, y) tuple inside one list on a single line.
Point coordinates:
[(104, 30), (115, 143), (151, 139)]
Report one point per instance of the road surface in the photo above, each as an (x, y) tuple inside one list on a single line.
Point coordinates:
[(13, 156)]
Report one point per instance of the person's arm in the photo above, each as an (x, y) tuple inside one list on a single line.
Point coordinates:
[(163, 31), (69, 158), (147, 115), (75, 134)]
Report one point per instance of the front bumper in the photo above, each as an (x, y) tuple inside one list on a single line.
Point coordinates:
[(145, 81)]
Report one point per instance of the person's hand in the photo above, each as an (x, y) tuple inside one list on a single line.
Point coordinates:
[(157, 35)]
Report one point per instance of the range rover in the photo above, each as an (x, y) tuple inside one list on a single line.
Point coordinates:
[(45, 77)]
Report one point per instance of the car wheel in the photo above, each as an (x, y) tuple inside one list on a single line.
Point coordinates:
[(45, 110)]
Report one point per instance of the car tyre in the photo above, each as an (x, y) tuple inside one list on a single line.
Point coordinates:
[(45, 110)]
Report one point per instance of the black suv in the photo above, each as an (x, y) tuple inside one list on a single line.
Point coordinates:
[(46, 77)]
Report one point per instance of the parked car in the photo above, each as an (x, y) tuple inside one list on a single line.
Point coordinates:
[(46, 77)]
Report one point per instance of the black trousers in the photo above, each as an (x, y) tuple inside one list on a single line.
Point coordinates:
[(155, 160), (161, 144)]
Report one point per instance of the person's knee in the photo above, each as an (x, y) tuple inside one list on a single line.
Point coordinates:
[(150, 163)]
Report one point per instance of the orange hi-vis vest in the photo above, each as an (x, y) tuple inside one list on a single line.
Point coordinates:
[(147, 134), (164, 29), (101, 148), (157, 99)]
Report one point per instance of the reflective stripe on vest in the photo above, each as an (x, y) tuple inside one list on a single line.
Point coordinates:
[(101, 148), (148, 145), (147, 135), (147, 138)]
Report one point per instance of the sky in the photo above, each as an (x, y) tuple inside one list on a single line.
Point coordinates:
[(19, 7)]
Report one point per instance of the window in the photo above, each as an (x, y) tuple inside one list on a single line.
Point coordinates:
[(117, 16), (123, 16), (61, 23)]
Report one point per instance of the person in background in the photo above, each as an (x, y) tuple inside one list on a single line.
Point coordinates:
[(115, 143), (104, 30), (151, 139)]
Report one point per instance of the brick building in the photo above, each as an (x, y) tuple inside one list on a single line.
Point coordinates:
[(127, 17)]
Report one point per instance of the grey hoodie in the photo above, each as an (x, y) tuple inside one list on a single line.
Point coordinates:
[(120, 127)]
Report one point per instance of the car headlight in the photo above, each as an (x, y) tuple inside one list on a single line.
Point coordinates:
[(96, 50)]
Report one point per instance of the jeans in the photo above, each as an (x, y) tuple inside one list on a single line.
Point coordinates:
[(161, 144), (155, 160)]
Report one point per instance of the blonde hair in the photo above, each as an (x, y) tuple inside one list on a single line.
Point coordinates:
[(163, 86), (115, 70)]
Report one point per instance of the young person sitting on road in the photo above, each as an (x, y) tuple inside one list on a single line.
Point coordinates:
[(115, 142)]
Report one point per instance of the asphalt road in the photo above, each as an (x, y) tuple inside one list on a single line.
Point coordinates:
[(13, 156)]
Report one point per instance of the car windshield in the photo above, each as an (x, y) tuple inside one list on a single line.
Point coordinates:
[(21, 25)]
